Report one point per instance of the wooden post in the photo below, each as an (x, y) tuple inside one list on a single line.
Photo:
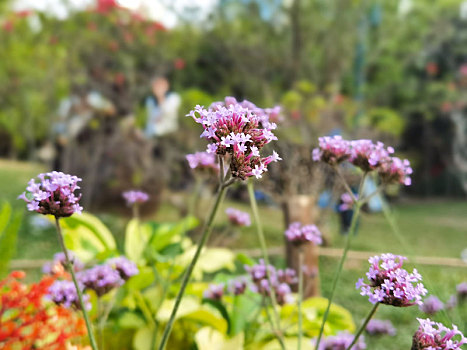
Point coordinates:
[(302, 208)]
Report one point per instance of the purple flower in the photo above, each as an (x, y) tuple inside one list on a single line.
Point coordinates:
[(347, 202), (298, 234), (395, 170), (203, 161), (431, 305), (366, 155), (237, 287), (266, 277), (380, 327), (462, 291), (238, 217), (64, 293), (53, 195), (133, 197), (214, 292), (100, 278), (452, 302), (240, 130), (126, 268), (57, 266), (332, 150), (388, 283), (341, 341), (435, 336)]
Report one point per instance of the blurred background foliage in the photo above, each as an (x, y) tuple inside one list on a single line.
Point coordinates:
[(392, 67)]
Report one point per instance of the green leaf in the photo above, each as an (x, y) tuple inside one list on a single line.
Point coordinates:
[(131, 320), (8, 236), (245, 260), (87, 236), (142, 339), (163, 234), (136, 239), (210, 339), (244, 306), (221, 308)]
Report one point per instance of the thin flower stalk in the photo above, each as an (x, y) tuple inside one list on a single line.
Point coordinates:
[(363, 326), (70, 269), (353, 225), (264, 251), (300, 297), (205, 235)]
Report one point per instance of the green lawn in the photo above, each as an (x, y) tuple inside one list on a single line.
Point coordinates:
[(431, 228)]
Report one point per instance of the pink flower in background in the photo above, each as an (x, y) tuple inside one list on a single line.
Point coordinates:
[(214, 292), (347, 202), (133, 197), (298, 233), (395, 170), (53, 195), (388, 283), (238, 217), (332, 150), (435, 336), (342, 341), (380, 327), (179, 63), (431, 305), (202, 161)]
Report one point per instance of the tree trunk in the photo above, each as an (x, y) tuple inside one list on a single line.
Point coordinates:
[(302, 208)]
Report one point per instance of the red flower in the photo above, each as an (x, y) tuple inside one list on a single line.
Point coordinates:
[(179, 63), (29, 321), (431, 68)]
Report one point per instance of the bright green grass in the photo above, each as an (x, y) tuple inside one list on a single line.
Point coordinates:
[(431, 228)]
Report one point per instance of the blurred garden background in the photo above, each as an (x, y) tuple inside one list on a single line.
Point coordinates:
[(77, 78)]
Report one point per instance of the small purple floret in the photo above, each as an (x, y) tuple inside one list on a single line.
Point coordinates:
[(134, 197), (238, 217), (298, 234)]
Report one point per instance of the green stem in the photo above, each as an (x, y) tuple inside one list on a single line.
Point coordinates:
[(363, 326), (100, 325), (206, 232), (264, 250), (351, 233), (70, 269), (300, 297)]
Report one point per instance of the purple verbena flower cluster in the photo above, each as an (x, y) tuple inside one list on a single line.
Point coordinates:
[(347, 202), (110, 275), (380, 327), (126, 268), (462, 291), (431, 305), (53, 195), (57, 266), (203, 161), (239, 132), (435, 336), (261, 275), (101, 279), (237, 286), (214, 291), (299, 234), (63, 292), (238, 217), (366, 155), (390, 284), (342, 341), (133, 197)]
